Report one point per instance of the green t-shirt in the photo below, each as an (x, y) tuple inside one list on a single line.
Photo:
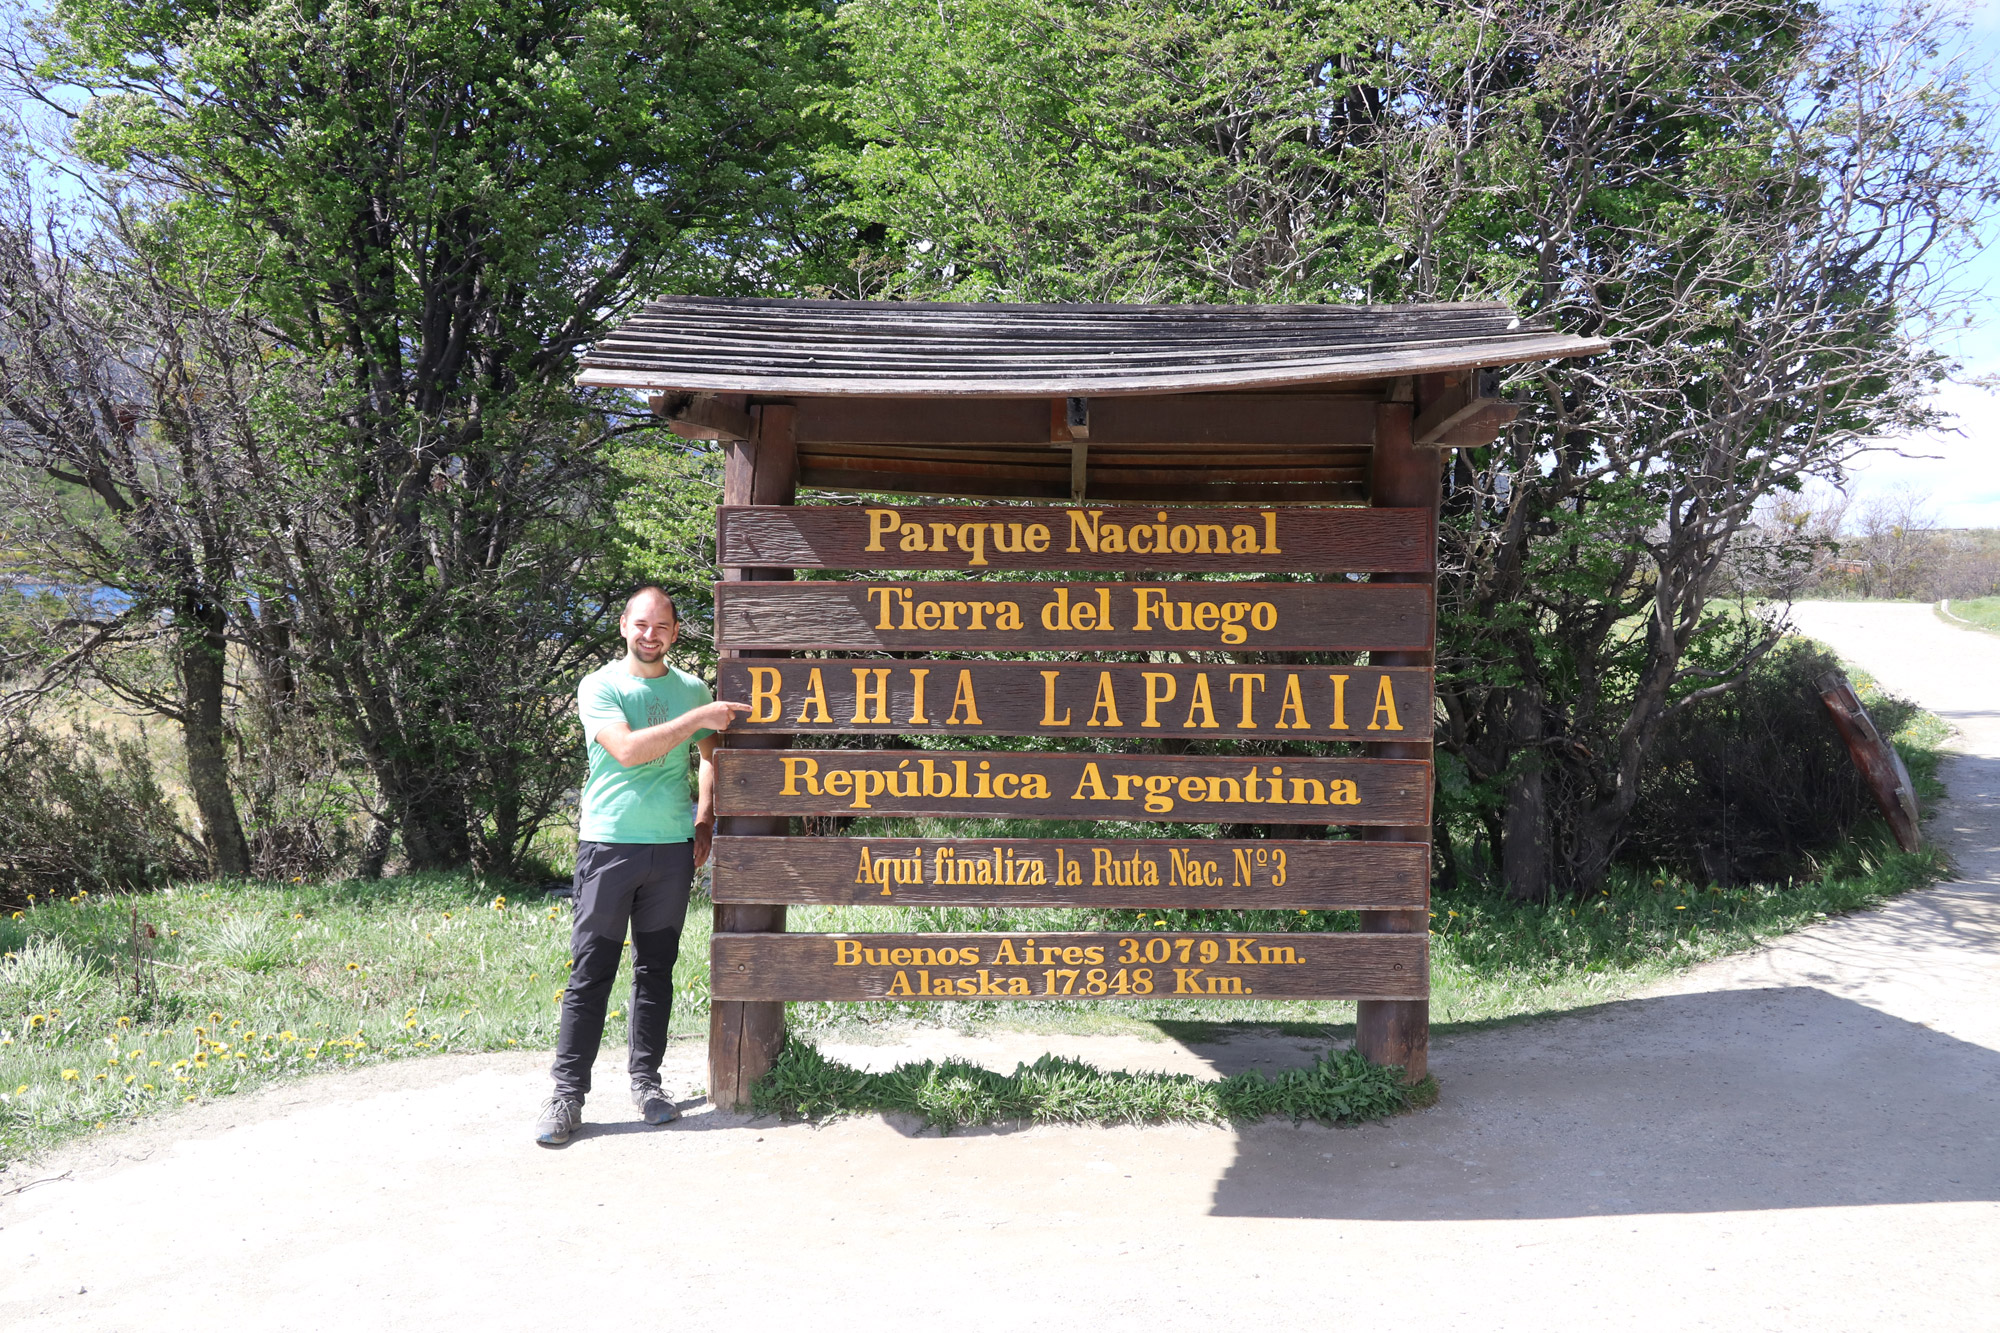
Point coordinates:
[(649, 803)]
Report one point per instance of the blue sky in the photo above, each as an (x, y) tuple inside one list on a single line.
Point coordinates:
[(1957, 472)]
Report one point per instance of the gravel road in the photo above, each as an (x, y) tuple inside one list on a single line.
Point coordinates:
[(1803, 1138)]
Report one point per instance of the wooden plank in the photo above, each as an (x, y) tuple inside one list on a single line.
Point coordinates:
[(1073, 872), (1880, 765), (1014, 784), (1071, 617), (1126, 485), (922, 420), (744, 1039), (1085, 537), (1151, 965), (942, 697), (1397, 1032), (1205, 419)]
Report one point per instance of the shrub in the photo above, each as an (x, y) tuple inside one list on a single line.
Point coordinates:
[(1757, 783), (85, 812)]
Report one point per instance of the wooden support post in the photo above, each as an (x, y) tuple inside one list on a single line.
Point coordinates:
[(1405, 475), (744, 1036)]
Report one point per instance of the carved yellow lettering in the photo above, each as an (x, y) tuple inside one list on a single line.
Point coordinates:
[(812, 708), (1200, 702), (1089, 787), (964, 700), (1154, 680), (800, 769), (881, 522), (871, 687), (1105, 711), (1292, 712), (765, 705), (1252, 681), (972, 541), (1055, 611), (1385, 702), (1049, 718)]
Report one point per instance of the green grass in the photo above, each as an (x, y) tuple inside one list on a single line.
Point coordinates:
[(256, 981), (1982, 612), (1341, 1088)]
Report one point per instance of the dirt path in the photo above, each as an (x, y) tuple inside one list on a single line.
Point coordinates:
[(1806, 1138)]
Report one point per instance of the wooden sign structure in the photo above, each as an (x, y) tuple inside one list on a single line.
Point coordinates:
[(1171, 597)]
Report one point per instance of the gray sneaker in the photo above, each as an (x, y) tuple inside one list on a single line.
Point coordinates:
[(655, 1107), (560, 1118)]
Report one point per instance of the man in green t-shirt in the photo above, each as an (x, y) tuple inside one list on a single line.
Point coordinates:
[(638, 844)]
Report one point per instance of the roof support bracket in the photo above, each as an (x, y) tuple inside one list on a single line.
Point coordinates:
[(1468, 395)]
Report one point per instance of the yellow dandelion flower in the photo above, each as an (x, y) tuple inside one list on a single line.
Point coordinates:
[(354, 967), (152, 1064), (18, 1091), (410, 1023), (131, 1078), (148, 1087), (69, 1075), (188, 1098)]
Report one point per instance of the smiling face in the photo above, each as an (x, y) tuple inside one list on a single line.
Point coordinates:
[(648, 627)]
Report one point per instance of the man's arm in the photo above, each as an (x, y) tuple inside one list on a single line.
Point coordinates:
[(633, 748), (704, 805)]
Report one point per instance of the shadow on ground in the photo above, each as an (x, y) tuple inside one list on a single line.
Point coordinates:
[(1726, 1100)]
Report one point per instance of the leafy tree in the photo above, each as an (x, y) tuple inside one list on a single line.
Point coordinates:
[(426, 211), (1759, 202), (121, 395)]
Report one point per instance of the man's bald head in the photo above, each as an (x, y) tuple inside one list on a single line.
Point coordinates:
[(650, 601)]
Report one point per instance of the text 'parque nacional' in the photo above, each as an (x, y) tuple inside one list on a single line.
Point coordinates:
[(1267, 540)]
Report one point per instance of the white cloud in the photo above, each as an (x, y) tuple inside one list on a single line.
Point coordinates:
[(1958, 472)]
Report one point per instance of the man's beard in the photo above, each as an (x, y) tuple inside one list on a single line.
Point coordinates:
[(648, 656)]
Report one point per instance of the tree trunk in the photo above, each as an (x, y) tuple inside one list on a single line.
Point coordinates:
[(201, 651), (1524, 847)]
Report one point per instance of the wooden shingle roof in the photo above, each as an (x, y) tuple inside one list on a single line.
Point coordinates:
[(898, 349)]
